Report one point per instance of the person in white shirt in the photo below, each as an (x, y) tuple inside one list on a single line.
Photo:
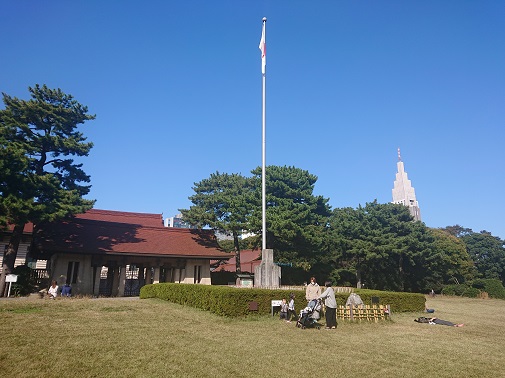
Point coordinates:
[(53, 290)]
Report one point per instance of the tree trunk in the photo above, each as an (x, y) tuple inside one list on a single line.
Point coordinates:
[(10, 256), (402, 274), (236, 248)]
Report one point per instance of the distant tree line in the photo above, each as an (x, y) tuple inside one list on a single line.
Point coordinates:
[(376, 246)]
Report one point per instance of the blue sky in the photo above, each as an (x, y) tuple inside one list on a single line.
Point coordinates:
[(176, 88)]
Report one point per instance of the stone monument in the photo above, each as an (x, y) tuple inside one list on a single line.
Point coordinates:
[(267, 274)]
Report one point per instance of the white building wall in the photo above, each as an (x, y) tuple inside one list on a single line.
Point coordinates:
[(21, 256), (59, 268), (404, 193), (202, 266)]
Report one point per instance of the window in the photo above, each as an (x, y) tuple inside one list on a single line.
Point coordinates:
[(72, 272), (197, 277)]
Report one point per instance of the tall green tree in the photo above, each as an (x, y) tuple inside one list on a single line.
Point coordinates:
[(39, 179), (449, 262), (223, 202), (296, 218), (381, 245), (347, 246), (488, 253), (457, 230)]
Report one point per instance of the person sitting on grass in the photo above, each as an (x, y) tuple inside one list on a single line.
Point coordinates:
[(53, 290), (66, 290)]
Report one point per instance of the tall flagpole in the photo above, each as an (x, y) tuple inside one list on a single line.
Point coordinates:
[(267, 274), (262, 47)]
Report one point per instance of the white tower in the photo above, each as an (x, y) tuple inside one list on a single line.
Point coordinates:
[(403, 191)]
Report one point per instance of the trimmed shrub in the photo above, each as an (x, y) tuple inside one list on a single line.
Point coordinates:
[(454, 289), (399, 302), (493, 287), (234, 302), (471, 292)]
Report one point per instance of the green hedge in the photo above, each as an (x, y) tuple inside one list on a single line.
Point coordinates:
[(493, 287), (454, 289), (234, 302), (399, 302)]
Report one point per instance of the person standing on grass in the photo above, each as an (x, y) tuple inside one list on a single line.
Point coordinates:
[(331, 306), (284, 309), (291, 307), (312, 291)]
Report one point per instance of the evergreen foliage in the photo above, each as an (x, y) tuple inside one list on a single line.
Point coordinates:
[(380, 246), (296, 218), (449, 262), (377, 246), (493, 287), (488, 254), (39, 179), (223, 203)]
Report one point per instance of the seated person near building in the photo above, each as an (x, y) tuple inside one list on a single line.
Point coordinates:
[(66, 290), (53, 290)]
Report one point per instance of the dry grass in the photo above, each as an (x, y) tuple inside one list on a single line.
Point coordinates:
[(153, 338)]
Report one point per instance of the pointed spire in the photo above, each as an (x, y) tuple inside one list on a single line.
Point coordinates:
[(403, 191)]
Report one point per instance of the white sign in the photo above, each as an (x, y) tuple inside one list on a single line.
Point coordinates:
[(11, 278), (275, 303)]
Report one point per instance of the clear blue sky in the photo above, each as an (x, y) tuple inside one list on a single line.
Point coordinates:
[(176, 88)]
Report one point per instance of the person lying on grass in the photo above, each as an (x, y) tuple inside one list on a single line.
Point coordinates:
[(437, 321)]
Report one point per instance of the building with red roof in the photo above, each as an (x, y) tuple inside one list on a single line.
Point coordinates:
[(249, 260), (22, 257), (103, 252)]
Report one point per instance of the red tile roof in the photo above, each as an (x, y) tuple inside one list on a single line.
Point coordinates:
[(27, 230), (144, 219), (249, 260), (120, 233)]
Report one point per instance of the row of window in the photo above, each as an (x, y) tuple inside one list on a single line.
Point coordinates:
[(73, 273)]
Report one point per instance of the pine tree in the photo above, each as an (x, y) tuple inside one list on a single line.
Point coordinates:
[(39, 179)]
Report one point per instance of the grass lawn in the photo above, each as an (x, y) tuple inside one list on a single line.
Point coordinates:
[(128, 337)]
